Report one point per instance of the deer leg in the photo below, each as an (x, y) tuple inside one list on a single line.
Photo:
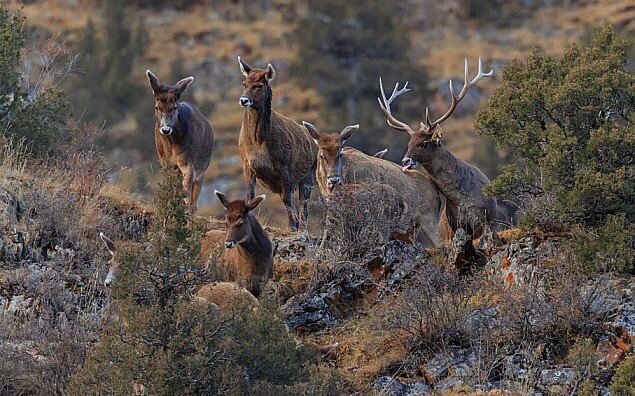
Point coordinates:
[(287, 198), (250, 179), (196, 191), (188, 181), (304, 194)]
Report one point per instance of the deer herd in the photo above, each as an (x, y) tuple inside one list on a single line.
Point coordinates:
[(284, 156)]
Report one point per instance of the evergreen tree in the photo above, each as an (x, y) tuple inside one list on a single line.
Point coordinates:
[(36, 115), (109, 56), (568, 126)]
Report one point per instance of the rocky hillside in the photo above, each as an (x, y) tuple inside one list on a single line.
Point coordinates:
[(520, 318)]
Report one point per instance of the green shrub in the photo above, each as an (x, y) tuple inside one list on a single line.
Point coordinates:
[(568, 124), (623, 383), (35, 113), (166, 342)]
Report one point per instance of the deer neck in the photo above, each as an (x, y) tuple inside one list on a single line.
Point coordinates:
[(258, 122), (446, 171), (258, 246)]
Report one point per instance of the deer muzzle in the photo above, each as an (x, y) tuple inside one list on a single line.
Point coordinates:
[(245, 101), (166, 130), (110, 279), (408, 163), (333, 181), (230, 244)]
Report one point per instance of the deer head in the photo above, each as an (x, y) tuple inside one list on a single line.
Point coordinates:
[(166, 98), (256, 85), (330, 152), (113, 263), (425, 140), (237, 219)]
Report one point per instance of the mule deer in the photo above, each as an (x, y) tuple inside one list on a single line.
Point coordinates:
[(249, 253), (342, 165), (461, 183), (275, 150), (182, 135)]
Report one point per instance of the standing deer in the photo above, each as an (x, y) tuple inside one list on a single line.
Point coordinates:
[(275, 150), (182, 135), (462, 184), (345, 165), (249, 253)]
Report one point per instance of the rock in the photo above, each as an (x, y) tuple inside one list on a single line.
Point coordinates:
[(560, 377), (11, 208), (611, 355), (626, 319), (396, 387), (20, 305), (349, 284)]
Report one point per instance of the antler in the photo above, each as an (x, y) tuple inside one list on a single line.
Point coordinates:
[(384, 104), (467, 84), (428, 126)]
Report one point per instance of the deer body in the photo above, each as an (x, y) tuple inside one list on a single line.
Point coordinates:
[(276, 151), (182, 135), (422, 200), (249, 252), (461, 184), (345, 165)]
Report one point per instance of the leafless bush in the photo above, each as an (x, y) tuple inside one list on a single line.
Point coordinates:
[(361, 218)]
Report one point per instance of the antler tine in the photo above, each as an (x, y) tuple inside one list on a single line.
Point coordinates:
[(467, 84), (384, 104)]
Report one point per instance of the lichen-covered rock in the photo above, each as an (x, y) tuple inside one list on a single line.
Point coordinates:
[(396, 387)]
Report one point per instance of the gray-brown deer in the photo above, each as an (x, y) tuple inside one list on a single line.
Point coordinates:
[(461, 183), (276, 151), (345, 165), (249, 254), (183, 136)]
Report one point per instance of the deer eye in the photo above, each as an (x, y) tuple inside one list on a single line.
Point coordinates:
[(423, 144), (156, 108)]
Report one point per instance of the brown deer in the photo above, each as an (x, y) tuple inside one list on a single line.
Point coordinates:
[(182, 135), (221, 294), (275, 150), (462, 184), (249, 254), (344, 165)]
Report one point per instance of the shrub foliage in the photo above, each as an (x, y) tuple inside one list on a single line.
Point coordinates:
[(568, 124)]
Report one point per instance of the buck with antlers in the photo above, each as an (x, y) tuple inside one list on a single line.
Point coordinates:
[(182, 135), (275, 150), (410, 194), (462, 184)]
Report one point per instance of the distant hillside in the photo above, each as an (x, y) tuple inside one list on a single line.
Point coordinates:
[(203, 38)]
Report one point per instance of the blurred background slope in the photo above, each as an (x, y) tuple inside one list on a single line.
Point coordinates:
[(328, 55)]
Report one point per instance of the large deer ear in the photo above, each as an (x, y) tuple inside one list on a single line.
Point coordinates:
[(244, 68), (251, 205), (222, 198), (182, 85), (348, 131), (110, 245), (271, 73), (312, 130), (154, 81)]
